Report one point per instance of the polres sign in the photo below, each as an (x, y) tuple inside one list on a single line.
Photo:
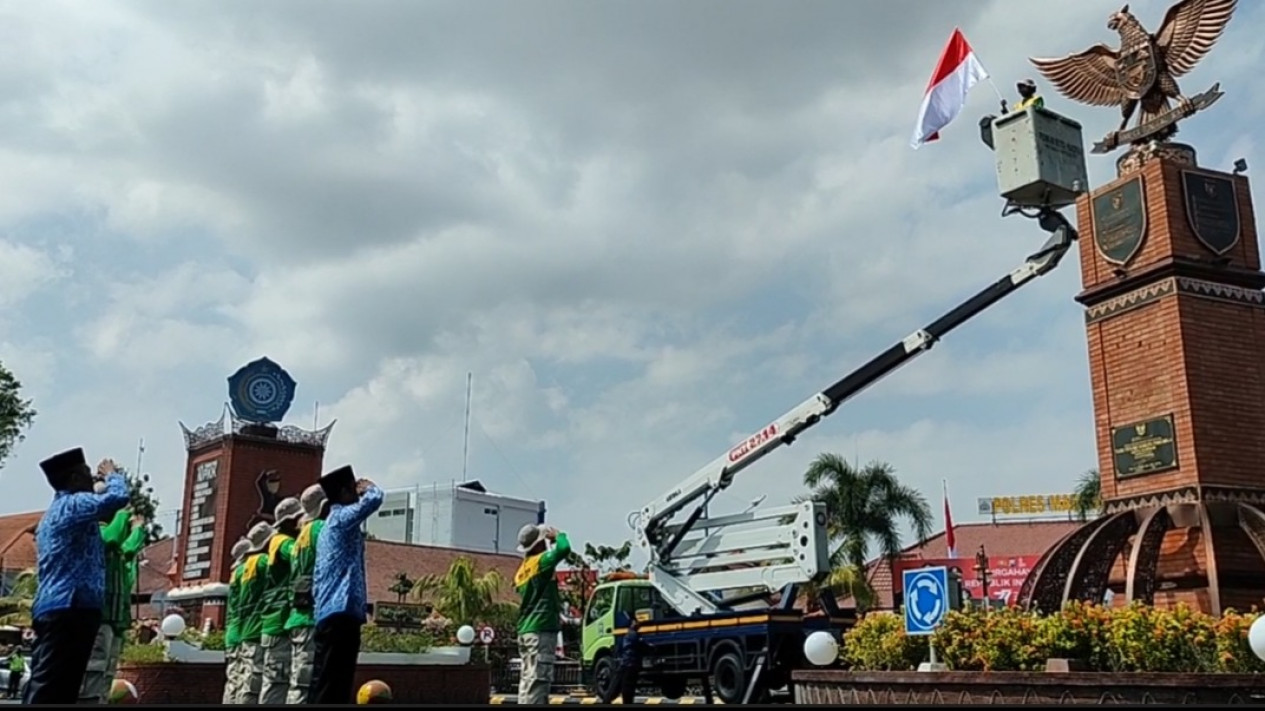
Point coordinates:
[(1034, 505), (1006, 574)]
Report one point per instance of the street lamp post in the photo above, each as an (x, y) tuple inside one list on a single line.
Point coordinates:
[(982, 572)]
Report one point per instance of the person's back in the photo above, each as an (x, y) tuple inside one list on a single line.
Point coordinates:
[(303, 566), (70, 567), (631, 650), (276, 604), (233, 625), (254, 580), (540, 610), (340, 559), (338, 584), (123, 536), (301, 623), (70, 555)]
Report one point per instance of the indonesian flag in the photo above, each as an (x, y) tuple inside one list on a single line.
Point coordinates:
[(957, 72), (950, 541)]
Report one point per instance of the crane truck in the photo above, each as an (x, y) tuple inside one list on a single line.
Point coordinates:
[(719, 599)]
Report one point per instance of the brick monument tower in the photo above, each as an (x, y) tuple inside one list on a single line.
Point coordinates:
[(1175, 319), (238, 468)]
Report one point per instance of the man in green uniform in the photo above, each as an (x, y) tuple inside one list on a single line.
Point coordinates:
[(254, 580), (302, 621), (233, 625), (124, 537), (540, 613), (275, 681)]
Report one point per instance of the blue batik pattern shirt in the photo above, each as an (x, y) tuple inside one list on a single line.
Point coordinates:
[(70, 553), (338, 583)]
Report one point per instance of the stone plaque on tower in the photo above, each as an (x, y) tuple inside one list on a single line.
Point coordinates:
[(1175, 320)]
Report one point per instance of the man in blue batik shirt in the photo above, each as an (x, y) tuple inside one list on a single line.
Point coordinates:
[(70, 565), (338, 584)]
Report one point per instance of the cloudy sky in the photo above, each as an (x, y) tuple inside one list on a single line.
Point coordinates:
[(646, 228)]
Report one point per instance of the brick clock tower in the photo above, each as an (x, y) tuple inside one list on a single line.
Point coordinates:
[(238, 468), (1175, 319)]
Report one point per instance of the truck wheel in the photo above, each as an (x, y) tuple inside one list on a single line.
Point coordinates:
[(729, 679), (604, 677)]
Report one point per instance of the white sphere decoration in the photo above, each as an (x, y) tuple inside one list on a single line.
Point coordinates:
[(173, 626), (465, 634), (821, 649), (1256, 637)]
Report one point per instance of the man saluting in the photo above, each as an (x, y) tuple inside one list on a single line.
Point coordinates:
[(66, 612), (339, 585)]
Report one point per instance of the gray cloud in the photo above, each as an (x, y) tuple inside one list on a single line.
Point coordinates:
[(647, 229)]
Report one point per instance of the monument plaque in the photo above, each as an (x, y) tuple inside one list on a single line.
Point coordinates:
[(1212, 208), (1144, 447), (1120, 221), (199, 545)]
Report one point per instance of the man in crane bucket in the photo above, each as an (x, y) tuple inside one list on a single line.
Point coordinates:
[(539, 615)]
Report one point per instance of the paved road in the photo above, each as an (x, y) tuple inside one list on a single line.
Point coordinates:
[(565, 699)]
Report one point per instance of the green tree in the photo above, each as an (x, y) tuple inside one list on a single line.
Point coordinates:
[(464, 595), (144, 502), (864, 509), (1087, 496), (16, 414), (589, 567)]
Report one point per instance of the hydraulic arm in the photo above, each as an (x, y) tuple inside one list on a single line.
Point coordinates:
[(769, 549)]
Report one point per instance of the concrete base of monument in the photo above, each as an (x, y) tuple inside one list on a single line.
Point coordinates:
[(196, 683), (178, 651), (838, 687)]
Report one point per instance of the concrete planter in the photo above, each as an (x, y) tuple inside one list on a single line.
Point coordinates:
[(202, 683), (838, 688)]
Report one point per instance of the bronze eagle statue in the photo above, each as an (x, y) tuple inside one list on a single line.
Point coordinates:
[(1144, 70)]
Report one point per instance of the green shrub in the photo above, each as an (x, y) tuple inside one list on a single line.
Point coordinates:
[(386, 640), (1136, 638), (143, 654), (878, 643)]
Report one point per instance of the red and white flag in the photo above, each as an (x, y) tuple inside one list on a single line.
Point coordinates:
[(958, 71), (950, 541)]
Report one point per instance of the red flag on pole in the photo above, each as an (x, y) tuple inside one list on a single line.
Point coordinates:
[(958, 71), (950, 541)]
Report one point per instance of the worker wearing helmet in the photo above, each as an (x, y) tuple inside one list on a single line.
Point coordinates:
[(1028, 95), (539, 614)]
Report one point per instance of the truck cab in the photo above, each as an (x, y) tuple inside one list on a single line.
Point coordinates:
[(610, 606)]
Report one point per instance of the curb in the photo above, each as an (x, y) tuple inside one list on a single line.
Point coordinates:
[(567, 700)]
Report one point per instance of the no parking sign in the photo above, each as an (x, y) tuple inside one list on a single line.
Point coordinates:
[(487, 635)]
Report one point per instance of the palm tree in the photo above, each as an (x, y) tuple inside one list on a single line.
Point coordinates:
[(1087, 496), (462, 594), (15, 608), (864, 508)]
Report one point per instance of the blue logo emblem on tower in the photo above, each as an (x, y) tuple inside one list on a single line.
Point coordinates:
[(261, 392)]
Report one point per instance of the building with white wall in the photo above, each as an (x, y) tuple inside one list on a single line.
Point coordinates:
[(464, 516), (394, 520), (469, 517)]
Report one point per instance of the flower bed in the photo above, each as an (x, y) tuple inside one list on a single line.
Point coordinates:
[(1136, 638)]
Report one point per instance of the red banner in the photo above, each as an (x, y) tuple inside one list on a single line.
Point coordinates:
[(1005, 574), (577, 578)]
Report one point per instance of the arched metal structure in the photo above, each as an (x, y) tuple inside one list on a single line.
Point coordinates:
[(1078, 567)]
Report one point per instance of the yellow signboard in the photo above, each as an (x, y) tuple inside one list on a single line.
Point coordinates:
[(1036, 505)]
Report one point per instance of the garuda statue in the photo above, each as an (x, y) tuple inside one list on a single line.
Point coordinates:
[(1144, 71)]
